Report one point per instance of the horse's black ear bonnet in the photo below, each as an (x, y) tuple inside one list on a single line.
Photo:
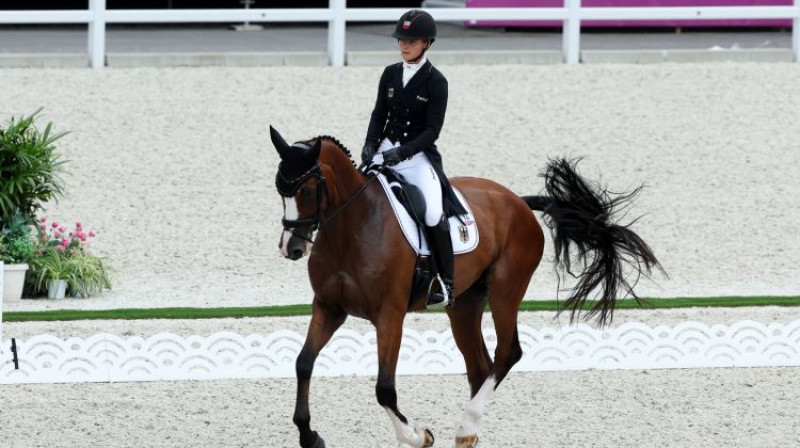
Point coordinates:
[(299, 162)]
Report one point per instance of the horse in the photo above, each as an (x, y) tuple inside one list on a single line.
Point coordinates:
[(360, 265)]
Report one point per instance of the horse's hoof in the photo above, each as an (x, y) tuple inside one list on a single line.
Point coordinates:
[(467, 441), (319, 443), (428, 438)]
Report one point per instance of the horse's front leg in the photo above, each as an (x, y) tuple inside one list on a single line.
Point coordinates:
[(324, 322), (390, 334)]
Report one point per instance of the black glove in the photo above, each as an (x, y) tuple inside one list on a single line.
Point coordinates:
[(367, 153), (391, 157)]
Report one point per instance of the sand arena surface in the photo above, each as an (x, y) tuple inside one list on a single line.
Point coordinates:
[(175, 169), (675, 408)]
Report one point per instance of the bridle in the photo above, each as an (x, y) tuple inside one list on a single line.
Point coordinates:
[(290, 187), (294, 185)]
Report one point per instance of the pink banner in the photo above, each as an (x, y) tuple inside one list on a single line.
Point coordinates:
[(632, 3)]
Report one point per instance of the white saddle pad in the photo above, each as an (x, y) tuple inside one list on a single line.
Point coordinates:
[(464, 235)]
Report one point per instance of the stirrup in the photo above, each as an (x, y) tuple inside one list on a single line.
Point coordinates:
[(442, 297)]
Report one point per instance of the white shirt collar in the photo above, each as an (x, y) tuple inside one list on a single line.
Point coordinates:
[(410, 69), (415, 67)]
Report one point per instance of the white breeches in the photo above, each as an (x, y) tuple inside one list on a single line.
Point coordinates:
[(418, 171)]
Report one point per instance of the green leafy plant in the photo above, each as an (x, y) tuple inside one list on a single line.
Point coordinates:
[(90, 275), (52, 265), (30, 167), (17, 244)]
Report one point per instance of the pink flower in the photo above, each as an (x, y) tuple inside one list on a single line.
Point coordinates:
[(82, 237), (71, 234), (58, 234), (55, 224), (42, 226), (60, 248), (65, 242), (92, 233), (42, 219), (78, 225), (63, 229)]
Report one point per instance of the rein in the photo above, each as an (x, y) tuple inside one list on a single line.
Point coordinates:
[(346, 203)]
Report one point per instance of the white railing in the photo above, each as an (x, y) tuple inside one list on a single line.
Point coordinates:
[(169, 357), (337, 15)]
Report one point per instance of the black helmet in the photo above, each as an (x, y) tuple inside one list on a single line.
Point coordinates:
[(415, 24)]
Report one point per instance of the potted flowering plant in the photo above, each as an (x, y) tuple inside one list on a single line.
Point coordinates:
[(16, 251), (64, 258)]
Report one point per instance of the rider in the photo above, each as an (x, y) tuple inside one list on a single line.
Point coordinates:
[(405, 123)]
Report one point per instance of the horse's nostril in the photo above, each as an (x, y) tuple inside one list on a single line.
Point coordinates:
[(296, 254)]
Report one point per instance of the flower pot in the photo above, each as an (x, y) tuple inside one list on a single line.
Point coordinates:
[(13, 281), (56, 289)]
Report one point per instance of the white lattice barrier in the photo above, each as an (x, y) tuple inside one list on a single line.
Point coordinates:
[(110, 358)]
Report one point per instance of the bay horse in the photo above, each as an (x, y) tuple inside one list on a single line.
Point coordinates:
[(360, 265)]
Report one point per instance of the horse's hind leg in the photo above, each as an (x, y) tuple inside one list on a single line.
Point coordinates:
[(465, 320), (507, 285), (505, 307), (324, 322), (390, 334), (507, 282)]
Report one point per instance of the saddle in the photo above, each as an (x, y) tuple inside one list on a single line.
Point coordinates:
[(409, 207)]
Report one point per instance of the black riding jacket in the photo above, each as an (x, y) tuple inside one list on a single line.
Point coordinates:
[(413, 117)]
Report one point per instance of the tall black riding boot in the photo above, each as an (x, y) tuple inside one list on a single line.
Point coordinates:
[(442, 249)]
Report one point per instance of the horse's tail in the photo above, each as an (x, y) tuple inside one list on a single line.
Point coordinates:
[(583, 214)]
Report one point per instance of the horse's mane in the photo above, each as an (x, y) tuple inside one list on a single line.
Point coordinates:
[(339, 145)]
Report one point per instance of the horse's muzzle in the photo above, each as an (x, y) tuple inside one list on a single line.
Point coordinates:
[(295, 254), (292, 246)]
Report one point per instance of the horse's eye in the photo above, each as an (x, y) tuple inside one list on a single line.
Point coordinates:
[(307, 194)]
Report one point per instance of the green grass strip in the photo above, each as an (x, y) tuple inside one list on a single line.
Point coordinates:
[(305, 310), (157, 313), (691, 302)]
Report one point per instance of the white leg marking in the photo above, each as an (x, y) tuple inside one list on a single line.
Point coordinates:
[(405, 432), (290, 212), (471, 421)]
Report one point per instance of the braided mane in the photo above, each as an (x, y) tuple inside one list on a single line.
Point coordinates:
[(339, 145)]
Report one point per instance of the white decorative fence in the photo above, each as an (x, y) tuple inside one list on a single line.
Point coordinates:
[(337, 15), (110, 358)]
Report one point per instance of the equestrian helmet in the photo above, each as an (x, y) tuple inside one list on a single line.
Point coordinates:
[(415, 24)]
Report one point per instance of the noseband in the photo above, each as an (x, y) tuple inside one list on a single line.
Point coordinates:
[(290, 187)]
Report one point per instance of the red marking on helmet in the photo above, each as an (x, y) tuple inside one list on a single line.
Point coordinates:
[(410, 17)]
